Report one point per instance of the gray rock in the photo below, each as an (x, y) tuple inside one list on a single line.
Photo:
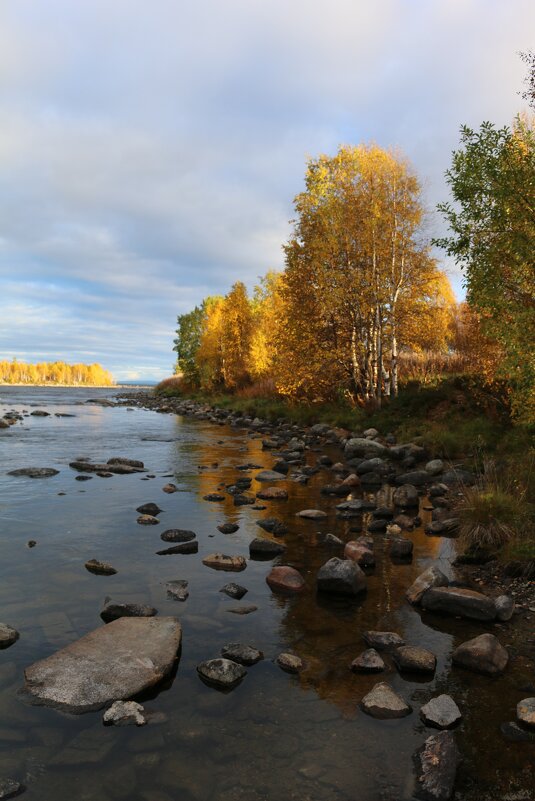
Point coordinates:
[(9, 788), (220, 561), (273, 526), (245, 609), (401, 549), (122, 460), (449, 527), (359, 552), (312, 514), (228, 528), (147, 520), (505, 607), (441, 712), (234, 590), (124, 713), (342, 577), (383, 703), (263, 548), (114, 662), (330, 539), (437, 767), (191, 546), (34, 472), (412, 659), (514, 733), (177, 535), (369, 661), (243, 654), (406, 496), (483, 654), (269, 475), (149, 509), (290, 663), (525, 712), (100, 568), (458, 476), (459, 601), (113, 611), (415, 477), (434, 467), (223, 673), (370, 465), (360, 446), (177, 590), (8, 635), (432, 577), (383, 640)]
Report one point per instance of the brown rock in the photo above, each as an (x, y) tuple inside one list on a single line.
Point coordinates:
[(285, 579), (483, 654)]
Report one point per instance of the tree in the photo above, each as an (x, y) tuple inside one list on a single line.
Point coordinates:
[(209, 354), (187, 342), (237, 327), (492, 237), (529, 95), (267, 311)]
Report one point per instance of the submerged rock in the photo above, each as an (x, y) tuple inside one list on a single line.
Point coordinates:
[(369, 661), (290, 663), (177, 590), (243, 654), (262, 548), (114, 662), (113, 611), (441, 712), (285, 579), (437, 767), (312, 514), (124, 713), (483, 654), (213, 496), (383, 640), (459, 601), (269, 475), (8, 635), (34, 472), (170, 488), (245, 609), (273, 494), (100, 568), (341, 577), (191, 546), (177, 535), (432, 577), (222, 673), (220, 561), (384, 703)]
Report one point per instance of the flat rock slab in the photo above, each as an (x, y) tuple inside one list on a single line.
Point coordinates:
[(383, 640), (483, 654), (437, 767), (114, 662), (273, 494), (441, 712), (459, 601), (384, 703), (34, 472), (220, 561), (183, 547)]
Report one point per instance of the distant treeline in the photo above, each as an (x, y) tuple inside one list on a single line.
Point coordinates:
[(15, 372)]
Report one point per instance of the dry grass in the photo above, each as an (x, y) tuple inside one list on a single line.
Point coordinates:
[(427, 366)]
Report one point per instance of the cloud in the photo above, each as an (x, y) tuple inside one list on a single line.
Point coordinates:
[(149, 154)]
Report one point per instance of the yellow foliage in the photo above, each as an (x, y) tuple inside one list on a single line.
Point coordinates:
[(15, 372)]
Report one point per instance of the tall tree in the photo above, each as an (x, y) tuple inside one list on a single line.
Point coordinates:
[(237, 328), (187, 342)]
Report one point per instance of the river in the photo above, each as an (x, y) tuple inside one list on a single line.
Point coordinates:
[(275, 736)]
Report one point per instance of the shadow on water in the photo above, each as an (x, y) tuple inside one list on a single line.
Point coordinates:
[(275, 735)]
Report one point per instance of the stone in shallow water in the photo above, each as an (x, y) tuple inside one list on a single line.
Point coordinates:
[(290, 663), (222, 673), (525, 712), (383, 703), (414, 660), (147, 520), (213, 496), (183, 547), (284, 578), (432, 577), (459, 601), (505, 606), (441, 712), (177, 590), (243, 654), (114, 662), (273, 526), (113, 611), (170, 488), (383, 640), (513, 733), (341, 577), (124, 713), (10, 788), (245, 609), (401, 549), (220, 561), (369, 661), (100, 568), (149, 509), (273, 494), (312, 514), (437, 767), (234, 590), (360, 553), (34, 472), (264, 548), (483, 654), (228, 528), (269, 475), (8, 635), (177, 535)]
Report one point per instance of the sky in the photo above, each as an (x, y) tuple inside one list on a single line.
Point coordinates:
[(150, 151)]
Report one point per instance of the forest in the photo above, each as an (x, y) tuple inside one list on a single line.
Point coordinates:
[(16, 372)]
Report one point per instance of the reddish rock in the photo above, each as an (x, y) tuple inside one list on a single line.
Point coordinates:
[(285, 579)]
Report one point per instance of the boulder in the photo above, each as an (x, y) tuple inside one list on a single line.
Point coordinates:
[(234, 590), (341, 577), (265, 549), (285, 579), (222, 673), (414, 477), (121, 460), (401, 549), (459, 601), (458, 476), (149, 509), (406, 496), (411, 659), (383, 703), (437, 764), (383, 640), (449, 527), (34, 472), (8, 635), (114, 662), (228, 528), (124, 713), (483, 654), (359, 553), (505, 606), (525, 712), (100, 568), (434, 467), (177, 590), (220, 561), (269, 475), (360, 446), (432, 577), (441, 712), (113, 611), (290, 663), (243, 654), (369, 661), (177, 535)]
